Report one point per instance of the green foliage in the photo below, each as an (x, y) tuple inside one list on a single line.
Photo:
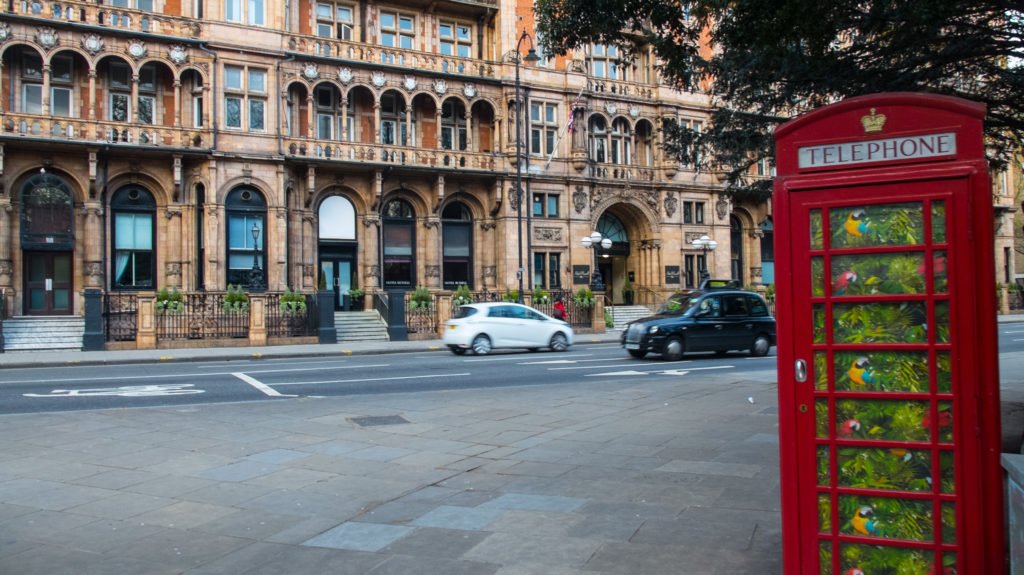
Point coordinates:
[(356, 292), (609, 321), (774, 59), (510, 296), (170, 301), (236, 300), (540, 296), (292, 302), (583, 298), (422, 300), (627, 287), (462, 296)]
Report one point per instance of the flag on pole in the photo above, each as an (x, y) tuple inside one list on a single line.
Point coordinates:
[(570, 126)]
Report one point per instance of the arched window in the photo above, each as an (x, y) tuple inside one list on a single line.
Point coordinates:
[(337, 219), (736, 247), (611, 227), (457, 232), (598, 139), (47, 218), (622, 138), (392, 121), (133, 232), (399, 222), (453, 125), (246, 209)]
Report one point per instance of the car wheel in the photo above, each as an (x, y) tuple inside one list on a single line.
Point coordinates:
[(760, 346), (481, 345), (637, 353), (559, 342), (674, 349), (457, 350)]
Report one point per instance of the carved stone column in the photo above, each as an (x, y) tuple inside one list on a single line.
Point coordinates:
[(432, 269), (172, 261), (93, 210), (6, 239), (371, 254)]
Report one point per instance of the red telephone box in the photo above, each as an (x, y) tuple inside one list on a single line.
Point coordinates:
[(888, 374)]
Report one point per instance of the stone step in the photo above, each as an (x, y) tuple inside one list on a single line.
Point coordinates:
[(43, 333), (360, 326)]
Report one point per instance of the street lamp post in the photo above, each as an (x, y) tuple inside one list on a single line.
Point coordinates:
[(531, 56), (705, 245), (256, 283), (596, 242)]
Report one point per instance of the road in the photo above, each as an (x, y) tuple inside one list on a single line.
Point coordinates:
[(160, 384), (66, 388)]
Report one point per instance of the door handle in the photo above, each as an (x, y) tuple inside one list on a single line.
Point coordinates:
[(49, 284), (718, 326), (800, 371)]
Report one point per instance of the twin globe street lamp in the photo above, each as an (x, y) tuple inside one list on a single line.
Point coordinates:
[(256, 280), (596, 242), (705, 245), (531, 56)]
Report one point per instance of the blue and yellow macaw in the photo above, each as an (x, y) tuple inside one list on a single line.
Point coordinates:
[(863, 524), (860, 372), (855, 224)]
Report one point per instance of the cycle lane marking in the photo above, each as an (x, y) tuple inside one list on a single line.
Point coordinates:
[(259, 385)]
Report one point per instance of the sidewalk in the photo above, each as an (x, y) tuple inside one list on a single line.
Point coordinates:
[(614, 477), (12, 359)]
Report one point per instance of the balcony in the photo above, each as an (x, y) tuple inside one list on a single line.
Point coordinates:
[(371, 54), (114, 18), (398, 155), (79, 131)]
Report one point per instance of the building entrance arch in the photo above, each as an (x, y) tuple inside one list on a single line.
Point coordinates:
[(337, 249), (631, 261)]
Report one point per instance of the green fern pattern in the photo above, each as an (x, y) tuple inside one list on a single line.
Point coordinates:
[(856, 263)]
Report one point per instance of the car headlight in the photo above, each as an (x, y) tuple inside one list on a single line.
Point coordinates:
[(653, 330)]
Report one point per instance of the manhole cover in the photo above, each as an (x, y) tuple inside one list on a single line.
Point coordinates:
[(374, 420)]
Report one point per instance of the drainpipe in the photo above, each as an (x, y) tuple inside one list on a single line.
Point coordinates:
[(213, 81)]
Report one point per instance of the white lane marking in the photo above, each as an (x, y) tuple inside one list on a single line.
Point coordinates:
[(771, 357), (659, 371), (173, 375), (270, 362), (266, 389), (593, 366), (520, 358), (371, 379), (1012, 332), (572, 361), (1018, 339), (126, 391)]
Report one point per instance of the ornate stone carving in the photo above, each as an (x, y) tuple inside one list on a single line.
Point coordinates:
[(378, 78), (513, 200), (469, 90), (722, 207), (634, 111), (172, 268), (611, 108), (47, 37), (94, 270), (671, 203), (137, 49), (488, 226), (755, 272), (440, 86), (579, 199), (433, 271), (688, 237), (490, 272), (6, 267), (410, 83), (649, 197), (178, 54), (371, 221), (5, 31), (92, 44), (547, 234), (432, 223), (345, 75), (310, 71)]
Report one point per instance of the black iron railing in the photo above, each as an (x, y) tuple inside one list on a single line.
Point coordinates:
[(420, 316), (204, 317), (578, 315), (290, 322), (120, 316)]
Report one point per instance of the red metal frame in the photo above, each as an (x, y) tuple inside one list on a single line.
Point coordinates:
[(960, 181)]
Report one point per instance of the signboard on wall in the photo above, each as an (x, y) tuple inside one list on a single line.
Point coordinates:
[(672, 275), (580, 275)]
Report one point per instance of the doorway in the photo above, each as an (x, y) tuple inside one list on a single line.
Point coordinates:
[(338, 270), (48, 283)]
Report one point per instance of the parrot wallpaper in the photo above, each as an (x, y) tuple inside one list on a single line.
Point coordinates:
[(862, 259)]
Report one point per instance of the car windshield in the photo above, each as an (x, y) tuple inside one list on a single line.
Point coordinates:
[(465, 311), (678, 304)]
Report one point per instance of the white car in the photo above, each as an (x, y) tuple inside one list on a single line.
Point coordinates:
[(482, 327)]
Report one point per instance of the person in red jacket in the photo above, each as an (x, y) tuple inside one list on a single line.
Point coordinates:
[(560, 310)]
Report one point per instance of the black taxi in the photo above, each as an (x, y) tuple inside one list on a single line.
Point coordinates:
[(719, 317)]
